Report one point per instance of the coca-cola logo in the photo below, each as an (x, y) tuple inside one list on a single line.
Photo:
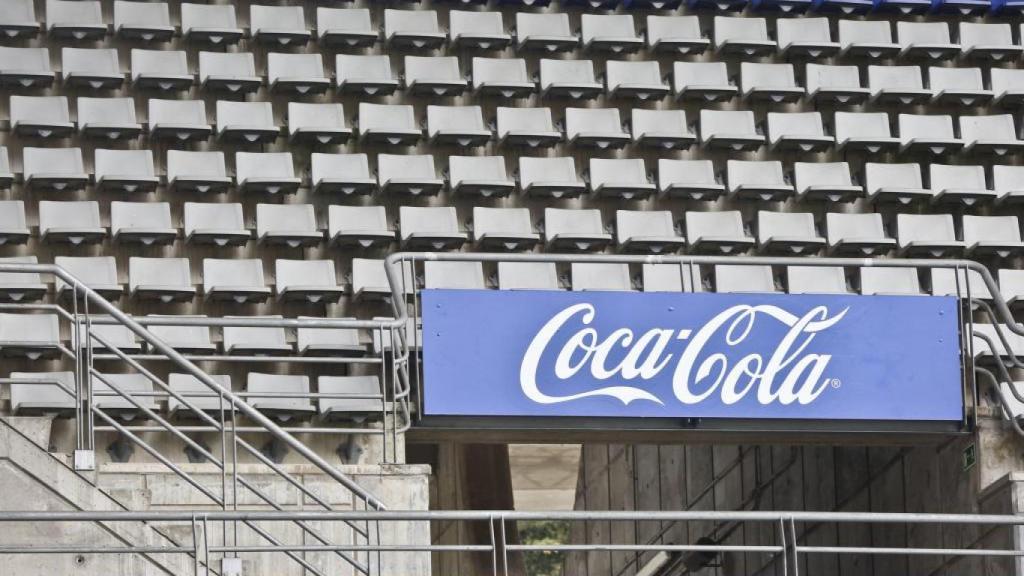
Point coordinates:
[(574, 349)]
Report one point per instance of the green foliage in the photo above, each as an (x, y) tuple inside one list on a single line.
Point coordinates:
[(544, 532)]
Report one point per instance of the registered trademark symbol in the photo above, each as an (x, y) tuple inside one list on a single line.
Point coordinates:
[(836, 382)]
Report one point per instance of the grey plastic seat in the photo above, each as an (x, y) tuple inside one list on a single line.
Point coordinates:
[(238, 280), (300, 74), (181, 120), (483, 176), (894, 183), (774, 83), (431, 227), (702, 81), (246, 122), (928, 40), (635, 79), (255, 340), (138, 386), (615, 33), (197, 171), (503, 228), (816, 280), (867, 131), (18, 19), (97, 272), (95, 68), (988, 41), (757, 180), (595, 127), (13, 224), (624, 178), (415, 29), (145, 21), (867, 38), (1008, 182), (569, 79), (74, 221), (734, 278), (147, 223), (478, 30), (370, 281), (550, 177), (41, 116), (6, 179), (790, 233), (984, 353), (59, 169), (210, 23), (31, 336), (185, 338), (360, 226), (889, 281), (549, 32), (231, 72), (368, 74), (289, 225), (805, 38), (434, 76), (164, 279), (829, 181), (1011, 287), (578, 230), (21, 287), (457, 125), (196, 393), (928, 133), (266, 172), (346, 174), (453, 275), (927, 235), (393, 124), (960, 184), (900, 85), (278, 25), (995, 134), (284, 409), (42, 399), (25, 67), (666, 129), (675, 34), (412, 174), (857, 234), (363, 398), (958, 86), (650, 231), (693, 179), (532, 127), (505, 77), (317, 123), (527, 276), (835, 84), (720, 232), (745, 36), (75, 20), (312, 281), (328, 341), (798, 131), (347, 27), (1007, 86), (992, 236), (592, 276), (959, 283), (105, 338), (128, 171), (108, 118), (670, 278), (729, 129)]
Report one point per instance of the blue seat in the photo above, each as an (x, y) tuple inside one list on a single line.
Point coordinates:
[(844, 6), (1007, 6), (964, 7), (782, 5), (722, 5), (903, 6)]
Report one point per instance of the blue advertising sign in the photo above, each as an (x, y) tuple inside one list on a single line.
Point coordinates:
[(691, 355)]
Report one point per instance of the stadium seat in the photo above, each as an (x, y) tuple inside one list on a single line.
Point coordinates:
[(867, 131), (461, 126), (414, 29), (74, 222), (531, 127), (229, 72), (20, 287), (745, 36), (164, 279), (266, 172), (1008, 182), (359, 226), (18, 19), (6, 179), (434, 76), (31, 336), (328, 341), (932, 134), (369, 280), (181, 120), (790, 233), (1011, 287), (733, 278), (927, 235), (548, 32), (366, 399), (347, 174), (312, 281), (829, 181), (578, 230), (925, 40), (897, 85), (138, 386), (414, 337), (527, 276), (505, 77), (867, 38), (25, 67), (255, 340), (290, 225), (757, 180), (805, 38), (593, 276), (798, 131), (453, 275), (105, 338), (299, 74), (317, 123), (702, 81), (717, 232), (1007, 86), (816, 280), (345, 27), (210, 23), (669, 278), (595, 127), (961, 184), (368, 74), (246, 122), (145, 21), (550, 177), (729, 129), (197, 394), (503, 228), (675, 34), (988, 41), (41, 116), (990, 135), (278, 25), (857, 234), (992, 236), (146, 223), (957, 86), (900, 183), (615, 33), (434, 228), (43, 399), (479, 176), (640, 80), (75, 20), (889, 281), (285, 409), (650, 231), (108, 118), (412, 174), (569, 79), (477, 30), (984, 353), (693, 179), (773, 83), (962, 7), (203, 172), (665, 129), (393, 124), (130, 171), (99, 273), (834, 84), (165, 70), (624, 178), (238, 280)]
